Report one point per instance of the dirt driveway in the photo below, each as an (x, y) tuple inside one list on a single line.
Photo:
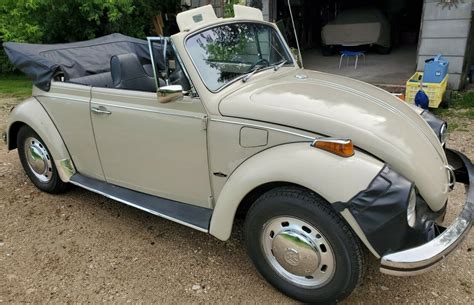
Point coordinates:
[(81, 247)]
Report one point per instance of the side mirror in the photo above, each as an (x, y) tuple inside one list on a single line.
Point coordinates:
[(169, 93), (170, 89)]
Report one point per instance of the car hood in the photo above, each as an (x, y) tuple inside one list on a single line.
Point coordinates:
[(336, 106)]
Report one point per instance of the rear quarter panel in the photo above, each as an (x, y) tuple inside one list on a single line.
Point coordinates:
[(68, 105), (31, 113)]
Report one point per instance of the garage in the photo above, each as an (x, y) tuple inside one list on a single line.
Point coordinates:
[(381, 35), (412, 32)]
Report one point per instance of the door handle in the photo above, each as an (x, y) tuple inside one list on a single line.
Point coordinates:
[(101, 110)]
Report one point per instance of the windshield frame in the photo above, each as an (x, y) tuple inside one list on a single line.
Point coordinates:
[(238, 78)]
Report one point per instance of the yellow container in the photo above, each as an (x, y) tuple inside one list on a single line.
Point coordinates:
[(434, 91)]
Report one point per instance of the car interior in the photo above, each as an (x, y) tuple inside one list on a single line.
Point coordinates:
[(128, 73)]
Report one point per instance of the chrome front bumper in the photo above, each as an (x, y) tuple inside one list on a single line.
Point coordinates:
[(423, 258)]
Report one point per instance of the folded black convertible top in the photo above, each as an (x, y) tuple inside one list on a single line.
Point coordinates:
[(42, 62)]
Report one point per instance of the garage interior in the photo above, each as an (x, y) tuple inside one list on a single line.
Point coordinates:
[(392, 69)]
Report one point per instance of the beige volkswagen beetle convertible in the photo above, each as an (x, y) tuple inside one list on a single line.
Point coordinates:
[(219, 121)]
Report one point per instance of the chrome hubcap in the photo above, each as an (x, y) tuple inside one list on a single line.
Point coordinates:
[(38, 159), (298, 252)]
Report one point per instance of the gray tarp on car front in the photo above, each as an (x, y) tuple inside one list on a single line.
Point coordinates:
[(42, 62), (355, 27)]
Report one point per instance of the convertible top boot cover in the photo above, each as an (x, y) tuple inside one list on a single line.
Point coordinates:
[(42, 62)]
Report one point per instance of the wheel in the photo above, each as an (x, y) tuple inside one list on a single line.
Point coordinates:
[(302, 247), (37, 162), (383, 50)]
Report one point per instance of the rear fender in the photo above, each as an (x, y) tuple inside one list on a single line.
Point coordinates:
[(31, 113)]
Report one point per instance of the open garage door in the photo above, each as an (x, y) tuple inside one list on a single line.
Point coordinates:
[(386, 32)]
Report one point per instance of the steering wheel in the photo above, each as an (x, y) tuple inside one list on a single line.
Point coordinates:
[(259, 62)]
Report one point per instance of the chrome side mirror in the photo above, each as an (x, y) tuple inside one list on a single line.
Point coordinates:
[(170, 93), (170, 89)]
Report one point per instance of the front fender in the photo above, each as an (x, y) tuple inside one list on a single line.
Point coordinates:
[(30, 112), (334, 178)]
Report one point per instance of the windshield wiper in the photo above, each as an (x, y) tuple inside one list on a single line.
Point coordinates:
[(250, 74), (277, 66)]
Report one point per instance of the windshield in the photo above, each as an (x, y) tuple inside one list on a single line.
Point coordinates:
[(227, 52)]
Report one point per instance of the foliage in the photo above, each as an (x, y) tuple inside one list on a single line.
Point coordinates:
[(53, 21), (229, 8), (226, 42)]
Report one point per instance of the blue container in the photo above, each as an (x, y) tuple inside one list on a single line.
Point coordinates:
[(436, 69)]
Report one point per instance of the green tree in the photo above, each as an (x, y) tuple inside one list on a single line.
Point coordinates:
[(53, 21)]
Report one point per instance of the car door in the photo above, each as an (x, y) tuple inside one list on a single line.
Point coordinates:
[(152, 147)]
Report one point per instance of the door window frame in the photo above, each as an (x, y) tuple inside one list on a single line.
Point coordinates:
[(167, 42)]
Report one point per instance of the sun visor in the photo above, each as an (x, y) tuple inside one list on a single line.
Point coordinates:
[(194, 18), (246, 12)]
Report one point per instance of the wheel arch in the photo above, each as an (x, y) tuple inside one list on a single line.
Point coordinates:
[(32, 114), (258, 191), (12, 134), (297, 164)]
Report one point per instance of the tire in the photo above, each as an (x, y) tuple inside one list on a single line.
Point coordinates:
[(303, 208), (46, 178)]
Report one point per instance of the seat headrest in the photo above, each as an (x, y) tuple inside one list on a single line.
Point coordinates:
[(128, 73), (125, 66)]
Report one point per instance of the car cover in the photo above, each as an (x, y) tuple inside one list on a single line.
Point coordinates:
[(42, 62), (357, 27)]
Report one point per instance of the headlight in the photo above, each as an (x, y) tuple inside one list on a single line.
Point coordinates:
[(439, 126), (411, 210), (443, 133)]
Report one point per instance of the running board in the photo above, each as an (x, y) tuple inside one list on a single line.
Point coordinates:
[(189, 215)]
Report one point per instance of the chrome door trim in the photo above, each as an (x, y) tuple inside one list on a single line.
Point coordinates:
[(264, 127), (100, 110), (149, 110)]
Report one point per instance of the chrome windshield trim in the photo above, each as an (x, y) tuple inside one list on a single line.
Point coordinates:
[(183, 67), (271, 25)]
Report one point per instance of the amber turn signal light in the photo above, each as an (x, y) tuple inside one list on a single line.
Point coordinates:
[(340, 147)]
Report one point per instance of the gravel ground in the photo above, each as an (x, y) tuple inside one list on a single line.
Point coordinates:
[(81, 247)]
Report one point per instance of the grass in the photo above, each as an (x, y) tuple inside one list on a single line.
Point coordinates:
[(461, 106), (460, 111), (15, 86)]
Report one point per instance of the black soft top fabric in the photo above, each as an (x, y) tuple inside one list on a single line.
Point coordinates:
[(41, 62)]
